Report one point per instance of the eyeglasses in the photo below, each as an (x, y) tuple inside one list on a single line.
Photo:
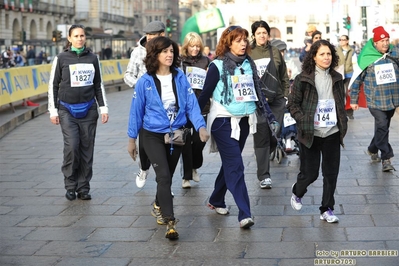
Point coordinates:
[(231, 28), (342, 40)]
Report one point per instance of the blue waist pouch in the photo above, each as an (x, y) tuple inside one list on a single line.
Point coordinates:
[(78, 110)]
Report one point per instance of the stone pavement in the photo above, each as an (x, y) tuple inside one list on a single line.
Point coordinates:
[(38, 226)]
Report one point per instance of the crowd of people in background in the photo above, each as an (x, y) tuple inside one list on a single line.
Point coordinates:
[(18, 58)]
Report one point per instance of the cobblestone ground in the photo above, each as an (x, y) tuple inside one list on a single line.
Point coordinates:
[(38, 226)]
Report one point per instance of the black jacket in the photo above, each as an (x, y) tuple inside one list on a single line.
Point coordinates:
[(60, 82)]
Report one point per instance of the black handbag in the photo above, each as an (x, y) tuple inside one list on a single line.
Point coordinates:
[(269, 82)]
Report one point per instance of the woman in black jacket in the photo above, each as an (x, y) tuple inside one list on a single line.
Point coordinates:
[(317, 103), (75, 91)]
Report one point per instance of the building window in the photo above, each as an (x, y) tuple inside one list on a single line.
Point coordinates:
[(327, 29), (7, 18), (396, 13), (289, 30)]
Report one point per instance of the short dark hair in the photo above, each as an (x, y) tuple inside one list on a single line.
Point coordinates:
[(316, 33), (154, 47), (308, 65), (260, 24)]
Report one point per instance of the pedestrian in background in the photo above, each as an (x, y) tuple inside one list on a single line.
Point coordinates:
[(378, 63), (135, 69), (195, 64), (317, 103), (345, 64), (232, 82), (162, 101), (315, 36), (75, 92), (31, 56), (270, 63)]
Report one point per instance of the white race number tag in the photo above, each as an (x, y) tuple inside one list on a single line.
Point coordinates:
[(243, 88), (384, 74), (81, 74), (196, 77), (261, 65), (326, 114)]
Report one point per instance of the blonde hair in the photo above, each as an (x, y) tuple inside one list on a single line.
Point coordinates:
[(190, 39)]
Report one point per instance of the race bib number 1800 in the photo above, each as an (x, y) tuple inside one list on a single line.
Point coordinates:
[(81, 74)]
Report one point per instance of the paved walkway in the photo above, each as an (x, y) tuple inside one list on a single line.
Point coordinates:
[(38, 226)]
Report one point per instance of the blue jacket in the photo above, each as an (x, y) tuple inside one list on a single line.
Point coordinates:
[(147, 110)]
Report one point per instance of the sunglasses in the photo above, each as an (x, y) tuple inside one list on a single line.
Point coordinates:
[(342, 39), (231, 28)]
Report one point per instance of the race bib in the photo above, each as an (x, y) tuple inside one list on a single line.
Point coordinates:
[(288, 120), (326, 114), (384, 74), (261, 65), (81, 74), (243, 88), (196, 77)]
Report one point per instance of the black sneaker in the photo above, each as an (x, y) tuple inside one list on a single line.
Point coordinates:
[(387, 166), (70, 194), (84, 196)]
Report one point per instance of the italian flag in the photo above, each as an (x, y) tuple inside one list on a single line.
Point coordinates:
[(368, 56)]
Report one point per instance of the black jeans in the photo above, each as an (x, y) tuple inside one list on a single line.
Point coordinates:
[(328, 149), (164, 158), (144, 161), (380, 140), (79, 135)]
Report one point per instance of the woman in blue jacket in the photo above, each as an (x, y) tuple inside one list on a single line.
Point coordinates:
[(162, 101)]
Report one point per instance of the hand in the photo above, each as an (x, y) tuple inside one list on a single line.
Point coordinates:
[(55, 120), (104, 118), (274, 127), (354, 106), (203, 134), (131, 148)]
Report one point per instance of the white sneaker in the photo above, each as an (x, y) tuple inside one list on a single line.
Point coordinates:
[(296, 203), (218, 210), (141, 178), (266, 183), (196, 176), (329, 217), (246, 223), (186, 184)]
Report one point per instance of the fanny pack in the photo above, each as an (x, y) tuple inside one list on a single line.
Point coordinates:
[(177, 137), (78, 110)]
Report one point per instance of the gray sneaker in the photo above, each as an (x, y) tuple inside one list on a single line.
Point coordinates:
[(156, 212), (387, 166), (266, 183), (373, 156)]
